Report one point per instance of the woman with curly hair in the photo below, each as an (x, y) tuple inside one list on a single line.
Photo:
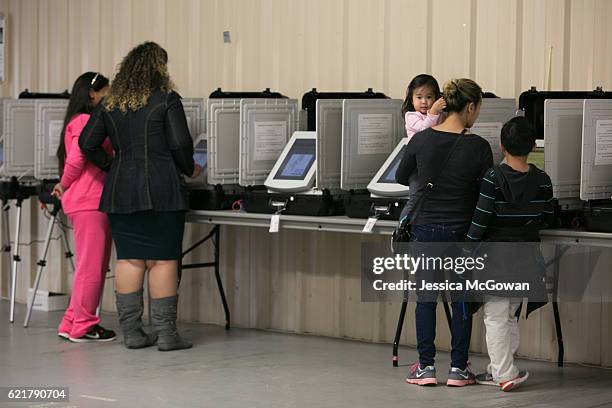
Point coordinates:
[(144, 194)]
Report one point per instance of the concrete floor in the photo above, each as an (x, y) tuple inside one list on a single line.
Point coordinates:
[(248, 368)]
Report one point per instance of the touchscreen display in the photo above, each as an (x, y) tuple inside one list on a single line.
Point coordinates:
[(298, 161), (389, 174)]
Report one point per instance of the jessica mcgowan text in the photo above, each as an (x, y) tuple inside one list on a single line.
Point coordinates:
[(453, 286)]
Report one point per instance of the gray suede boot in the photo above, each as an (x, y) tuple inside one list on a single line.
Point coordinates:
[(163, 315), (130, 308)]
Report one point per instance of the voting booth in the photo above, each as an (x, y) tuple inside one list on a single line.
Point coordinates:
[(558, 117), (195, 113), (265, 128), (31, 131), (531, 103), (596, 164), (563, 146), (371, 129), (223, 131), (267, 125), (291, 182), (49, 122), (313, 157), (312, 98), (294, 171), (494, 112), (18, 138)]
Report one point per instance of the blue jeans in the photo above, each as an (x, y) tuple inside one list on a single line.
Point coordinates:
[(425, 313)]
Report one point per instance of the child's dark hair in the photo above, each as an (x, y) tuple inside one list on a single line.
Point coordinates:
[(518, 136), (79, 103), (458, 93), (417, 82)]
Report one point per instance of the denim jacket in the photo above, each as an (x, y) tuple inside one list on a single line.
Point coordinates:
[(153, 151)]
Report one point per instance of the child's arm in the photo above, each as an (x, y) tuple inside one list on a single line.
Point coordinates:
[(75, 159), (484, 208), (415, 122)]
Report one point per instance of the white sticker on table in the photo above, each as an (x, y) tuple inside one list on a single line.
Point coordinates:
[(375, 133), (270, 139), (603, 142), (274, 223), (54, 134), (369, 226)]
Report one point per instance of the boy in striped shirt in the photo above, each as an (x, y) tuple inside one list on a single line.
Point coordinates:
[(515, 202)]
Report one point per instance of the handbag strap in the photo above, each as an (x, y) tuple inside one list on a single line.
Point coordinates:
[(430, 185)]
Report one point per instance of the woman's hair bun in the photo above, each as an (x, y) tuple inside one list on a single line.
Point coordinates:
[(458, 93)]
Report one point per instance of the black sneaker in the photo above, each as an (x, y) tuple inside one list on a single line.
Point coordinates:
[(95, 333)]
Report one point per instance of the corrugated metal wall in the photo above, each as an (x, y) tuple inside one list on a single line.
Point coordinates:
[(305, 281)]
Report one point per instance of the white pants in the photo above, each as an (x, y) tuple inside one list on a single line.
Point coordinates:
[(502, 336)]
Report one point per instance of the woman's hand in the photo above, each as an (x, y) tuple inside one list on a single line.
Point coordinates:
[(197, 169), (438, 106), (58, 191)]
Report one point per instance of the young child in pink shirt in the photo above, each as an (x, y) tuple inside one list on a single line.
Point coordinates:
[(423, 106), (80, 189)]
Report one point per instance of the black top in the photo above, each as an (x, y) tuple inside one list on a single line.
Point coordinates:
[(454, 195), (153, 150), (513, 205)]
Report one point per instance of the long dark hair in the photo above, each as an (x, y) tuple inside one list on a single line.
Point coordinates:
[(417, 82), (79, 103), (142, 70)]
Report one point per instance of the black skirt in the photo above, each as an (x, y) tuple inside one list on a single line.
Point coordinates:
[(148, 235)]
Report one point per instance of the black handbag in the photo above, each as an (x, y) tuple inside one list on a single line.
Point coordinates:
[(402, 231)]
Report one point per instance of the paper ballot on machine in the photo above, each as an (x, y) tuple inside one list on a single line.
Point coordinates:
[(563, 146), (375, 133), (370, 131), (54, 134), (596, 158), (270, 139), (265, 127), (603, 142), (494, 112), (490, 131)]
